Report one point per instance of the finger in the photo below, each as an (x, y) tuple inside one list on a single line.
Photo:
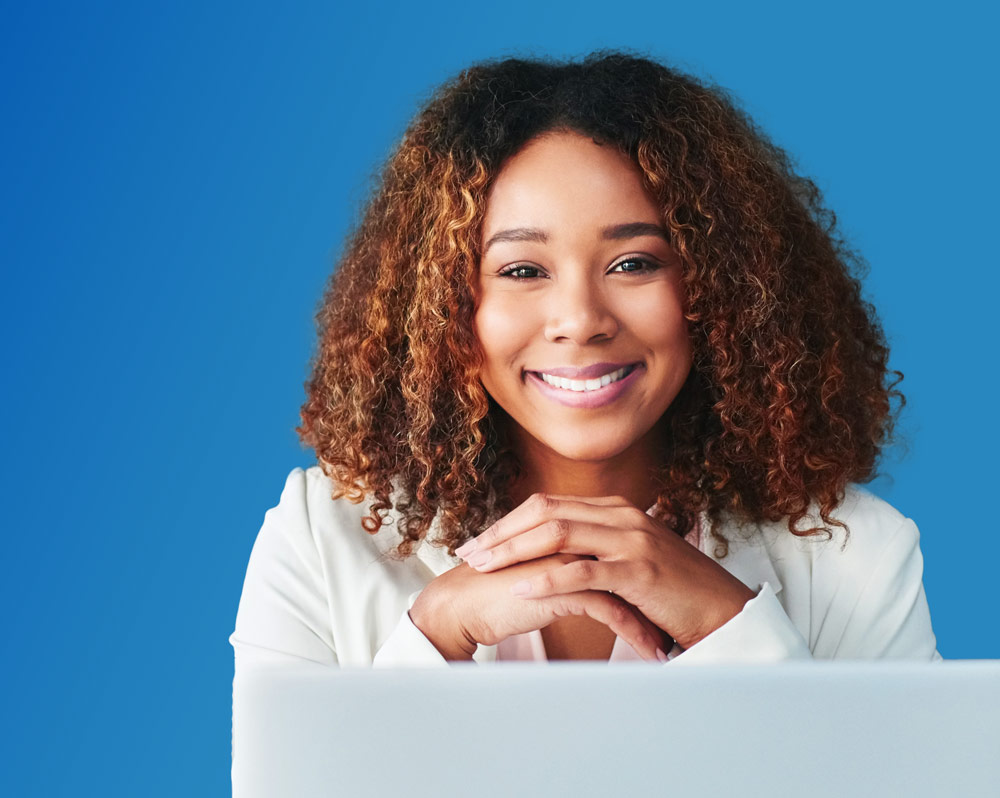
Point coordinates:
[(613, 577), (536, 510), (600, 501), (552, 537), (625, 621)]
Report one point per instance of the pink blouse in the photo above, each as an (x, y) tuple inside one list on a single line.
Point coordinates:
[(530, 647)]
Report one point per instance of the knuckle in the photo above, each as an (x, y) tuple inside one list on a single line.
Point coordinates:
[(541, 502), (563, 606), (641, 539), (585, 569), (558, 532), (642, 544), (619, 612), (485, 632), (645, 572), (636, 517), (546, 582)]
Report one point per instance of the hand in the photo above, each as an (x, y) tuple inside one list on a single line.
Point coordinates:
[(619, 548), (462, 608)]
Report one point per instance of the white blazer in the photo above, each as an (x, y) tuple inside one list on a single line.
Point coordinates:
[(320, 588)]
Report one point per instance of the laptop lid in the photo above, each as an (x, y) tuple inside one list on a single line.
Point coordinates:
[(578, 729)]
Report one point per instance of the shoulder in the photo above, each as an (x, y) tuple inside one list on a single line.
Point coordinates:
[(308, 511), (876, 549), (880, 544), (870, 525), (877, 534), (308, 492), (863, 510)]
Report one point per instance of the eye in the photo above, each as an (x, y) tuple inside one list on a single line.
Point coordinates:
[(521, 271), (634, 265)]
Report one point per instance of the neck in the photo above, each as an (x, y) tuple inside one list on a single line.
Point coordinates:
[(630, 474)]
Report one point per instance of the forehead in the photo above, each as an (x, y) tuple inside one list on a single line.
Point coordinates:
[(566, 180)]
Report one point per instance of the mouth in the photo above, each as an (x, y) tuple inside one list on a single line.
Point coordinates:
[(594, 383)]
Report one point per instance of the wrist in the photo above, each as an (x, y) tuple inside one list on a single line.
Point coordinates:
[(724, 612), (437, 624)]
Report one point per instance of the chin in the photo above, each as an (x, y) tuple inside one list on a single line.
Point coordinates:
[(587, 451)]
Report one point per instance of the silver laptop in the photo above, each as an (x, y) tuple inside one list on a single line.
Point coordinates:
[(811, 729)]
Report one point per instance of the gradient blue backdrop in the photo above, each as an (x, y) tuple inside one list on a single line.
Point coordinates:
[(175, 183)]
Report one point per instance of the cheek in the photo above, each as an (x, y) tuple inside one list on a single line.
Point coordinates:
[(659, 321), (484, 326), (496, 330)]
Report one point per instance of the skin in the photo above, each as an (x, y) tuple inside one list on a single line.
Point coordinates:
[(576, 270)]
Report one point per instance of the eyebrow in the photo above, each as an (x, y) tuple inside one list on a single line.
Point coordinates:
[(615, 232)]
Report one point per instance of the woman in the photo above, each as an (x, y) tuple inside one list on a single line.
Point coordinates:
[(595, 381)]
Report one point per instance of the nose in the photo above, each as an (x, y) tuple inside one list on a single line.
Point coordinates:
[(579, 312)]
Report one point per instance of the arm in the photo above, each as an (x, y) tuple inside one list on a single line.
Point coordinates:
[(283, 613), (282, 616)]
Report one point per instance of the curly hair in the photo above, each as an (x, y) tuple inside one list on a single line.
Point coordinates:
[(789, 397)]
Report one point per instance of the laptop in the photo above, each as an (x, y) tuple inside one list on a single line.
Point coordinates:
[(811, 729)]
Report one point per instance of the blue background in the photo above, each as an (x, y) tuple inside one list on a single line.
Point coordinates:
[(175, 183)]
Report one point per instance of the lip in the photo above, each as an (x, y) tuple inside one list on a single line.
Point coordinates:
[(585, 400), (584, 372)]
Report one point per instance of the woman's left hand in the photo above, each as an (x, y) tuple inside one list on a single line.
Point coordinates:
[(683, 591)]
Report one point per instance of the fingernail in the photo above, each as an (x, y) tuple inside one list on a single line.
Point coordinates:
[(522, 588), (661, 656), (480, 558), (465, 549)]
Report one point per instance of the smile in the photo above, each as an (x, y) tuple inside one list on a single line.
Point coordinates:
[(595, 390), (586, 386)]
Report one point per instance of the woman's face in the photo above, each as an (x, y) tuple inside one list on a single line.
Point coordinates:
[(579, 305)]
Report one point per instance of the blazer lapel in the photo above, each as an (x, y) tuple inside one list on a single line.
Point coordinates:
[(748, 558)]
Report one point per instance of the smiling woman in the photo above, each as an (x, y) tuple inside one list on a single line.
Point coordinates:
[(595, 381)]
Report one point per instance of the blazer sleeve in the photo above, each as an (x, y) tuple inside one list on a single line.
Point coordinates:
[(761, 632), (283, 614), (407, 646)]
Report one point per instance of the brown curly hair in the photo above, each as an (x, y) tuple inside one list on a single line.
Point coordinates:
[(789, 398)]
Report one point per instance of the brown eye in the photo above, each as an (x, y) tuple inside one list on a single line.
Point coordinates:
[(521, 271), (633, 266)]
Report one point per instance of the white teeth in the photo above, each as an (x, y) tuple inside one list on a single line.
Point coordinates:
[(584, 386)]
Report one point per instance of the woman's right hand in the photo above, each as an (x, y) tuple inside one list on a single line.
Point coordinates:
[(463, 608)]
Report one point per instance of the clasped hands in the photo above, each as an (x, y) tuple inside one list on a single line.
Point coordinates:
[(554, 556)]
